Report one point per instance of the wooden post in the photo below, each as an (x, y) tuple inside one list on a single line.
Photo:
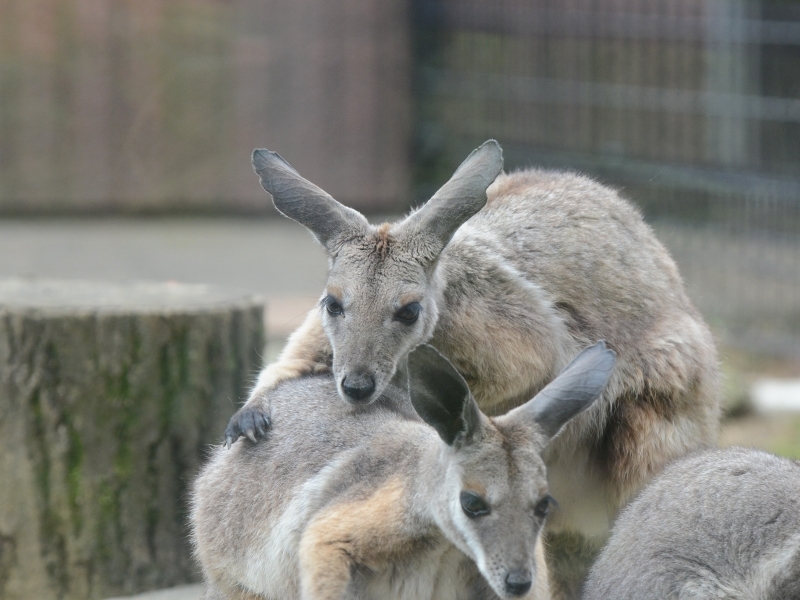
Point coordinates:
[(109, 396)]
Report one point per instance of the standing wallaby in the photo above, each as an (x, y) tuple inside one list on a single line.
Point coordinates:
[(721, 525), (509, 289), (368, 502)]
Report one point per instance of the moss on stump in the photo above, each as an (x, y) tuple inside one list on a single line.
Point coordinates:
[(108, 398)]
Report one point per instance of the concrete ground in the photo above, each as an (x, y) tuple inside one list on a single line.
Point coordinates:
[(183, 592), (275, 257)]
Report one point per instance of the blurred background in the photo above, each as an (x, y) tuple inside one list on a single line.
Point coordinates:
[(126, 128), (150, 108)]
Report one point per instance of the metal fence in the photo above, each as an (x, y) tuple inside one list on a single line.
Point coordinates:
[(692, 107)]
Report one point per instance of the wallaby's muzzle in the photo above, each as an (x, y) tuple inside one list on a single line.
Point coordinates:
[(358, 387), (518, 582)]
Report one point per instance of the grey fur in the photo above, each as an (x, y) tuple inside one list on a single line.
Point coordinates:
[(553, 262), (255, 507), (721, 525)]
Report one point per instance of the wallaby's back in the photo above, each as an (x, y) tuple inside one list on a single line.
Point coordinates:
[(723, 524)]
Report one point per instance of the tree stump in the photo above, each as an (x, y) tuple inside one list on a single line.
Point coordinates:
[(109, 396)]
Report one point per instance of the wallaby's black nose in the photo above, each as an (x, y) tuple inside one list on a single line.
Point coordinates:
[(518, 583), (358, 386)]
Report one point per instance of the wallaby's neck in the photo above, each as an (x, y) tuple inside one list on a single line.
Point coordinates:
[(438, 282), (429, 482)]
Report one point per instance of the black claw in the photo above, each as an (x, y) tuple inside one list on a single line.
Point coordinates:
[(252, 423)]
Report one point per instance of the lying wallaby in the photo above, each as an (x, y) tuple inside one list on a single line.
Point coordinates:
[(509, 290), (369, 502), (722, 525)]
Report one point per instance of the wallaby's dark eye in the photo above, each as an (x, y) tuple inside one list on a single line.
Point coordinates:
[(473, 505), (409, 313), (543, 506), (333, 307)]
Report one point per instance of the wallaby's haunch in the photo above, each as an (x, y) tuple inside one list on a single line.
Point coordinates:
[(369, 502), (722, 525), (509, 289)]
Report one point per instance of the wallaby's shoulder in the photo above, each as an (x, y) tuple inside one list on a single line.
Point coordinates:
[(742, 469), (720, 523), (561, 221), (719, 486), (567, 192)]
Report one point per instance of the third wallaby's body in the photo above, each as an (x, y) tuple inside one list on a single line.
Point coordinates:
[(722, 525), (509, 283)]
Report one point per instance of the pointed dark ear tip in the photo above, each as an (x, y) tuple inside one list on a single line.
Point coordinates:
[(490, 155), (600, 345), (597, 357), (492, 145), (259, 158), (493, 149), (602, 348), (263, 159)]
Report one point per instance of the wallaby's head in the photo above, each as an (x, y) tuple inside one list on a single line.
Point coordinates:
[(493, 497), (381, 293)]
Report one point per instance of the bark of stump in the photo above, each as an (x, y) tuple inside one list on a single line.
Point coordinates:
[(108, 398)]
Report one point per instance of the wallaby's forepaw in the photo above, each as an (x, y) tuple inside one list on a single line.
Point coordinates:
[(253, 423)]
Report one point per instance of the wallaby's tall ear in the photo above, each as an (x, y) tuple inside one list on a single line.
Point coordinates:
[(578, 385), (458, 199), (441, 396), (301, 200)]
